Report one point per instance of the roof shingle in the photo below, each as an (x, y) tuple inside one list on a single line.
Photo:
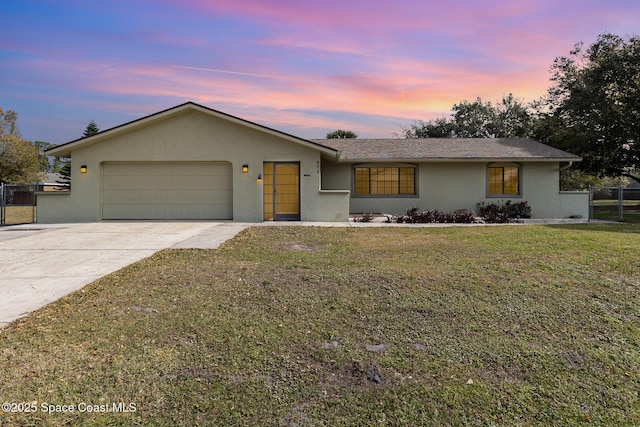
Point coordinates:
[(443, 149)]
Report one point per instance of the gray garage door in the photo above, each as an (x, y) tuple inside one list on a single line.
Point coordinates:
[(167, 190)]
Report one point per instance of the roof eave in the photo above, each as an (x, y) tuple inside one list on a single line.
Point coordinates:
[(460, 159)]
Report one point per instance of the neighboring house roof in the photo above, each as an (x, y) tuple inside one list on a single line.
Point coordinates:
[(64, 150), (51, 178), (445, 149)]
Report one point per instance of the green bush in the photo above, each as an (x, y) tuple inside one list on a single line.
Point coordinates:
[(415, 216), (503, 213)]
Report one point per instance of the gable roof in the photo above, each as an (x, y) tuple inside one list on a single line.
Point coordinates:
[(361, 150), (446, 149), (64, 150)]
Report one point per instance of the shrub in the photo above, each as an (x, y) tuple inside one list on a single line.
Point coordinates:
[(465, 217), (493, 213), (503, 213), (415, 216), (519, 210)]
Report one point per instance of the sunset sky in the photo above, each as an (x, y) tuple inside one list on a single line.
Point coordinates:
[(303, 66)]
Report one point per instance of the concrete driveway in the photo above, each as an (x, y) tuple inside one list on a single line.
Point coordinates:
[(41, 263)]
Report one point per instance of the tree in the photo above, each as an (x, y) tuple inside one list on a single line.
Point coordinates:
[(575, 179), (8, 123), (341, 134), (91, 129), (593, 106), (441, 127), (513, 118), (475, 119), (508, 118), (19, 161), (65, 173), (47, 163)]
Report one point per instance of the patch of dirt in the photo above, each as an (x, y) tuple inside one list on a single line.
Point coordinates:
[(355, 375), (376, 348), (298, 246), (189, 374)]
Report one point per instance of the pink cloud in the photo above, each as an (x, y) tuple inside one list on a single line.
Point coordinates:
[(316, 29), (305, 64), (328, 13), (401, 88)]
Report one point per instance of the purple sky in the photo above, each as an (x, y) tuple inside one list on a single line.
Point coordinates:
[(305, 67)]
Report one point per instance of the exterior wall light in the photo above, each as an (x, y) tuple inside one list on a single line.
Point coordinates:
[(83, 169), (259, 177), (245, 168)]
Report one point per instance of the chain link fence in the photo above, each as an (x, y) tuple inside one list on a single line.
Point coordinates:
[(614, 204), (18, 204)]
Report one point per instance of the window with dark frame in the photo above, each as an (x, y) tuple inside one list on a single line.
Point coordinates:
[(385, 181), (504, 180)]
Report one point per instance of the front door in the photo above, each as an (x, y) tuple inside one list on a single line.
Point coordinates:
[(281, 186)]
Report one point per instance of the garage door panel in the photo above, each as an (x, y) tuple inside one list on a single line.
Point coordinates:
[(168, 197), (166, 212), (167, 182), (167, 190)]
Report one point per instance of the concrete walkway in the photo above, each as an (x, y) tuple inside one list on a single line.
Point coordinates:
[(41, 263)]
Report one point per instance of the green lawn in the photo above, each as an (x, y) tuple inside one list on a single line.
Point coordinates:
[(298, 326)]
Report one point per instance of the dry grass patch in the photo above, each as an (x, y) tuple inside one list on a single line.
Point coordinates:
[(19, 215), (314, 326)]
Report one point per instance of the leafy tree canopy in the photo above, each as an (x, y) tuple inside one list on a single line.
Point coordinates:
[(8, 123), (19, 160), (47, 163), (593, 106), (478, 119), (575, 179), (341, 134)]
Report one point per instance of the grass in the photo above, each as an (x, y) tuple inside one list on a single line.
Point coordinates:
[(19, 215), (516, 325)]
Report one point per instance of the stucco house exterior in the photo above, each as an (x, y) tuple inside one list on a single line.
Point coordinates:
[(191, 162)]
